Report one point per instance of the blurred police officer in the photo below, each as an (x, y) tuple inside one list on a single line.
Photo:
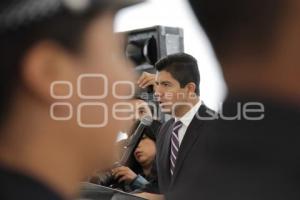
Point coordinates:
[(251, 152), (43, 41)]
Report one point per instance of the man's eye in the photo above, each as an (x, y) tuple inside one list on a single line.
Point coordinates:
[(142, 112)]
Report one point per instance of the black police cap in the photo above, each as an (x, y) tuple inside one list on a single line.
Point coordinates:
[(15, 13)]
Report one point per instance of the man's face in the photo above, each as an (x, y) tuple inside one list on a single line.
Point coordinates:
[(141, 109), (168, 92), (103, 65), (132, 111)]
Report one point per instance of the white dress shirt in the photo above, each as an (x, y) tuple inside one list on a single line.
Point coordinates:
[(186, 120)]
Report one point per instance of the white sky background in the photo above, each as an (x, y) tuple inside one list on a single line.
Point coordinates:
[(177, 13)]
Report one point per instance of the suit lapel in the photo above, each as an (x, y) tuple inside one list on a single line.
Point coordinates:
[(191, 135)]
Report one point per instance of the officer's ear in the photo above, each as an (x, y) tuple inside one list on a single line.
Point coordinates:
[(45, 63)]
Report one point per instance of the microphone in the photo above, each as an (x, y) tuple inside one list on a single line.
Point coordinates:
[(107, 178), (146, 121)]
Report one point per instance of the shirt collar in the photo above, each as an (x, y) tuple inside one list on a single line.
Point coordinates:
[(188, 117)]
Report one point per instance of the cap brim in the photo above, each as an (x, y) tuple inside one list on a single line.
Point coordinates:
[(15, 13)]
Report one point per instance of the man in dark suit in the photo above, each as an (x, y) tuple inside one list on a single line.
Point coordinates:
[(177, 91), (252, 151)]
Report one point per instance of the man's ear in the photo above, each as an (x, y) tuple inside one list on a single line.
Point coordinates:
[(43, 64), (191, 87)]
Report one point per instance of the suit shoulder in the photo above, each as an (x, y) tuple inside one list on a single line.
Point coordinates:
[(205, 112), (163, 128), (211, 111)]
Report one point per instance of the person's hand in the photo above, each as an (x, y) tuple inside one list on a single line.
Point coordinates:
[(123, 174), (146, 79)]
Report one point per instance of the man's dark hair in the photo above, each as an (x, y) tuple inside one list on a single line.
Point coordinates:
[(182, 67), (234, 24), (64, 28)]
